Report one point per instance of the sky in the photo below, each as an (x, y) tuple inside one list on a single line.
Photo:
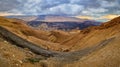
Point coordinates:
[(87, 9)]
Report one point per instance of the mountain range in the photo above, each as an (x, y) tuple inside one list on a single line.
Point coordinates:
[(94, 46), (56, 22), (48, 18)]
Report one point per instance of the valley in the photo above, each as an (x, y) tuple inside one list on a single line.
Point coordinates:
[(58, 48)]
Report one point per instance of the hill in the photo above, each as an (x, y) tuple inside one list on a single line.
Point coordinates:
[(93, 35), (90, 39), (46, 38), (96, 46)]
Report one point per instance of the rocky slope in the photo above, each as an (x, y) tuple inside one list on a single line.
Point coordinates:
[(97, 46), (92, 35), (14, 32), (46, 38), (93, 47)]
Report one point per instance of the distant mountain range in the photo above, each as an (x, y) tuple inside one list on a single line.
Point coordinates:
[(61, 25), (52, 22), (47, 18)]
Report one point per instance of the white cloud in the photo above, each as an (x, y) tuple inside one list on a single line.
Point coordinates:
[(94, 8), (106, 4), (8, 14), (67, 9), (74, 1), (96, 12)]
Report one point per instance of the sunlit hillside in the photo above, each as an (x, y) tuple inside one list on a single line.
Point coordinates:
[(96, 46)]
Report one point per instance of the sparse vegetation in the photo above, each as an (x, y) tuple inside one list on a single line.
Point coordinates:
[(33, 60)]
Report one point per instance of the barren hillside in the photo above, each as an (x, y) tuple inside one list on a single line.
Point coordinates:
[(93, 47), (93, 35), (46, 39), (97, 46)]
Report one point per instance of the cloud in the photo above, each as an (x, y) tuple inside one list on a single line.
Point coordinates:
[(85, 17), (107, 4), (108, 17), (96, 8), (38, 6), (8, 14), (101, 18), (86, 3), (67, 9), (6, 5), (94, 11)]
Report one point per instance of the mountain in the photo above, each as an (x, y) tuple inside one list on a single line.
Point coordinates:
[(92, 35), (95, 46), (62, 25), (47, 18), (46, 38), (24, 17), (57, 18), (15, 34), (56, 22)]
